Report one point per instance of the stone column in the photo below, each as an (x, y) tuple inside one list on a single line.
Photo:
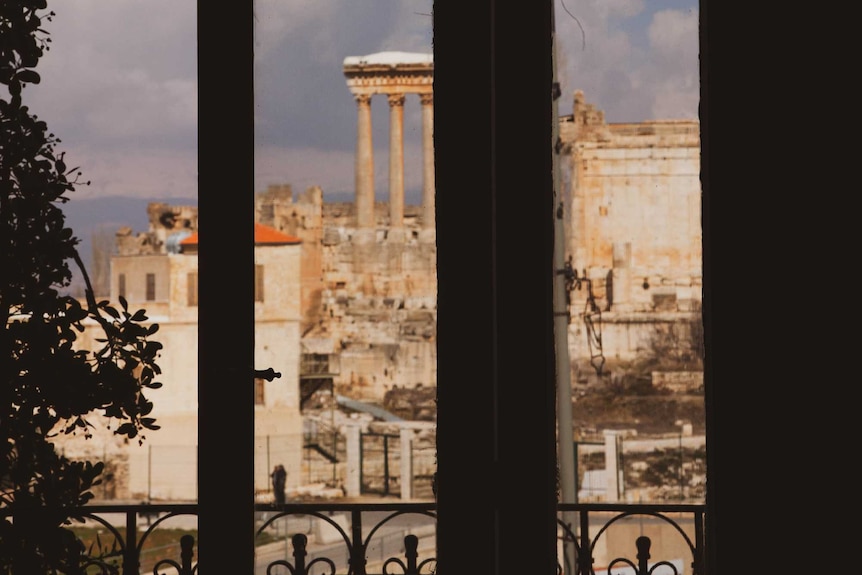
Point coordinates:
[(364, 164), (354, 459), (406, 463), (396, 160), (428, 185), (612, 470)]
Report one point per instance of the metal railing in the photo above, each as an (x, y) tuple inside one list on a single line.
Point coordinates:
[(631, 539), (389, 538)]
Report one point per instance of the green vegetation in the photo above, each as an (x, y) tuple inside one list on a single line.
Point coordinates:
[(48, 386)]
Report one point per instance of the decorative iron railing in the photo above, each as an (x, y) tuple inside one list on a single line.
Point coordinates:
[(625, 539), (388, 539)]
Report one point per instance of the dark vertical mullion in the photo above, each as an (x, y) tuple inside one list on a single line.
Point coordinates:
[(496, 446), (466, 473), (709, 377), (524, 245), (226, 282)]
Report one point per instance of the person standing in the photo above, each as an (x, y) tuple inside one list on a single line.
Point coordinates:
[(279, 481)]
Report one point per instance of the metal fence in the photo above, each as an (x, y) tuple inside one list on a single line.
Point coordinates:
[(373, 538)]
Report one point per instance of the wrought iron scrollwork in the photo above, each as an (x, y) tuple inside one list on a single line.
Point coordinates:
[(642, 568), (355, 544), (411, 546), (586, 542), (187, 553), (300, 542), (104, 568)]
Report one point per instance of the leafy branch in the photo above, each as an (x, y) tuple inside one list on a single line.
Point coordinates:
[(49, 384)]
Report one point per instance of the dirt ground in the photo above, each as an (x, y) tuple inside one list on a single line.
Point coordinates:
[(648, 414), (593, 409)]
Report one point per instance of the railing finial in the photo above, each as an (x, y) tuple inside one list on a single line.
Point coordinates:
[(643, 544)]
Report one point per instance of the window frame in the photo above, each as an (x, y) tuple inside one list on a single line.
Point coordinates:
[(495, 255), (489, 239), (225, 323), (497, 360)]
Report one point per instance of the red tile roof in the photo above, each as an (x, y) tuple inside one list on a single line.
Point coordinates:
[(263, 235)]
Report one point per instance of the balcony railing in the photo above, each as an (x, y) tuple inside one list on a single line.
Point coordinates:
[(388, 538)]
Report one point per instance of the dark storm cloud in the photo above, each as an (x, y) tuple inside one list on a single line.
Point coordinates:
[(120, 88)]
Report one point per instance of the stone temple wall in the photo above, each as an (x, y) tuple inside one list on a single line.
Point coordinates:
[(372, 295), (633, 229)]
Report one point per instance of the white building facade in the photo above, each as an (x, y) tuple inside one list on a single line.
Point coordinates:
[(163, 467)]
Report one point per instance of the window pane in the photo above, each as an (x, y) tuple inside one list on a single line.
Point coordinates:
[(344, 167), (123, 102), (630, 187)]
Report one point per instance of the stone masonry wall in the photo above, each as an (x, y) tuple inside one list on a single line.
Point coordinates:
[(633, 227), (373, 299)]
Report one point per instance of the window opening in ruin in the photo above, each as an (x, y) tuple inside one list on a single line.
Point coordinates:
[(151, 287), (132, 129), (258, 283), (192, 288), (259, 389)]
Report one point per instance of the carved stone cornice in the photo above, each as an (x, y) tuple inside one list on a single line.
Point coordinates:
[(390, 81)]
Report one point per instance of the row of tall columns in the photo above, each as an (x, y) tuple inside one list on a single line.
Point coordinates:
[(365, 162), (428, 184)]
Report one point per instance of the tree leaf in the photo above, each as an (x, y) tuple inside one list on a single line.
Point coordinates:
[(30, 76)]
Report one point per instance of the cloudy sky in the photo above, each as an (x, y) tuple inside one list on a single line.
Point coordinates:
[(119, 84)]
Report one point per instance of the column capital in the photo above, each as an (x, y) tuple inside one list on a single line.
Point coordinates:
[(426, 99), (362, 99), (395, 99)]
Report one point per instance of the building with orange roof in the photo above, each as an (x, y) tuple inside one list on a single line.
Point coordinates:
[(164, 282), (263, 236)]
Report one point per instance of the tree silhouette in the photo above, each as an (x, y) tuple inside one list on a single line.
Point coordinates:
[(48, 385)]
